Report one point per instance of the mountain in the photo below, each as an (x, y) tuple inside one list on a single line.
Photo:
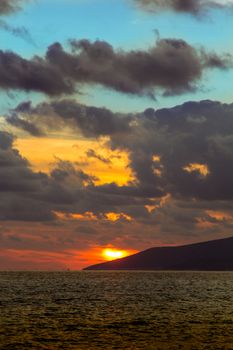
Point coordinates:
[(211, 255)]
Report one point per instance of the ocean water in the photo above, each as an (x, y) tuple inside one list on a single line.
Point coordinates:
[(116, 310)]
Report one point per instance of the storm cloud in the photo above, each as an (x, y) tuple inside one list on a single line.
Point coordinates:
[(171, 66), (186, 151)]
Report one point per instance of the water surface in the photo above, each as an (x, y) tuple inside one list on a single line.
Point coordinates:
[(116, 310)]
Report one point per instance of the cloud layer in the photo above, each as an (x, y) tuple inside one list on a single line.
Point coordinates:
[(185, 151)]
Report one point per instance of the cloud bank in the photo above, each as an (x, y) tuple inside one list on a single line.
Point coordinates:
[(185, 151)]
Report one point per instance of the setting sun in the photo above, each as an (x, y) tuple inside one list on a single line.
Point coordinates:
[(111, 254)]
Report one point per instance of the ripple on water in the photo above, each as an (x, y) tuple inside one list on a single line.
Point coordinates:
[(116, 310)]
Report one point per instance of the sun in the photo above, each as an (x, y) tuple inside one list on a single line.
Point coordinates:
[(111, 254)]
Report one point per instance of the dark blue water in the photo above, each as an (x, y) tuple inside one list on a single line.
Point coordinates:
[(116, 310)]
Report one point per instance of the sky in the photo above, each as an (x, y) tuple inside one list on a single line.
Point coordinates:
[(116, 128)]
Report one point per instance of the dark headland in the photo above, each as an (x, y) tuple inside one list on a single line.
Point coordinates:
[(214, 255)]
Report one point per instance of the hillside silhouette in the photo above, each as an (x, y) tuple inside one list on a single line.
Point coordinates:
[(211, 255)]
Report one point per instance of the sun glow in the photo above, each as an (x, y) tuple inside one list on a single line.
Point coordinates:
[(111, 254), (110, 166)]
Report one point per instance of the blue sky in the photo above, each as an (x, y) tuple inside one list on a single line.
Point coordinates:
[(121, 24)]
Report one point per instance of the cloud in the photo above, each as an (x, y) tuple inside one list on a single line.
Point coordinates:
[(9, 6), (6, 140), (91, 153), (196, 136), (195, 7), (20, 32), (181, 159), (35, 196), (185, 151), (31, 75), (172, 66), (26, 195), (91, 121), (19, 186)]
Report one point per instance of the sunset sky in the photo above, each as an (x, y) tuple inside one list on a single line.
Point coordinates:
[(116, 128)]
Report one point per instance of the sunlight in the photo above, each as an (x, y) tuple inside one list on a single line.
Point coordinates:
[(111, 254), (107, 166), (201, 168)]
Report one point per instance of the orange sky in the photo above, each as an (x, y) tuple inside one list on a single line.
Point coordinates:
[(43, 153), (27, 259)]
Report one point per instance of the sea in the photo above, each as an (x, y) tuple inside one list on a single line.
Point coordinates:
[(116, 310)]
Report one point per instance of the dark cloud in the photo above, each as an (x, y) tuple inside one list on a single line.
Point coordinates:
[(188, 139), (212, 60), (91, 121), (6, 140), (172, 66), (19, 185), (195, 7), (31, 75), (24, 125), (8, 6), (185, 151), (65, 170)]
